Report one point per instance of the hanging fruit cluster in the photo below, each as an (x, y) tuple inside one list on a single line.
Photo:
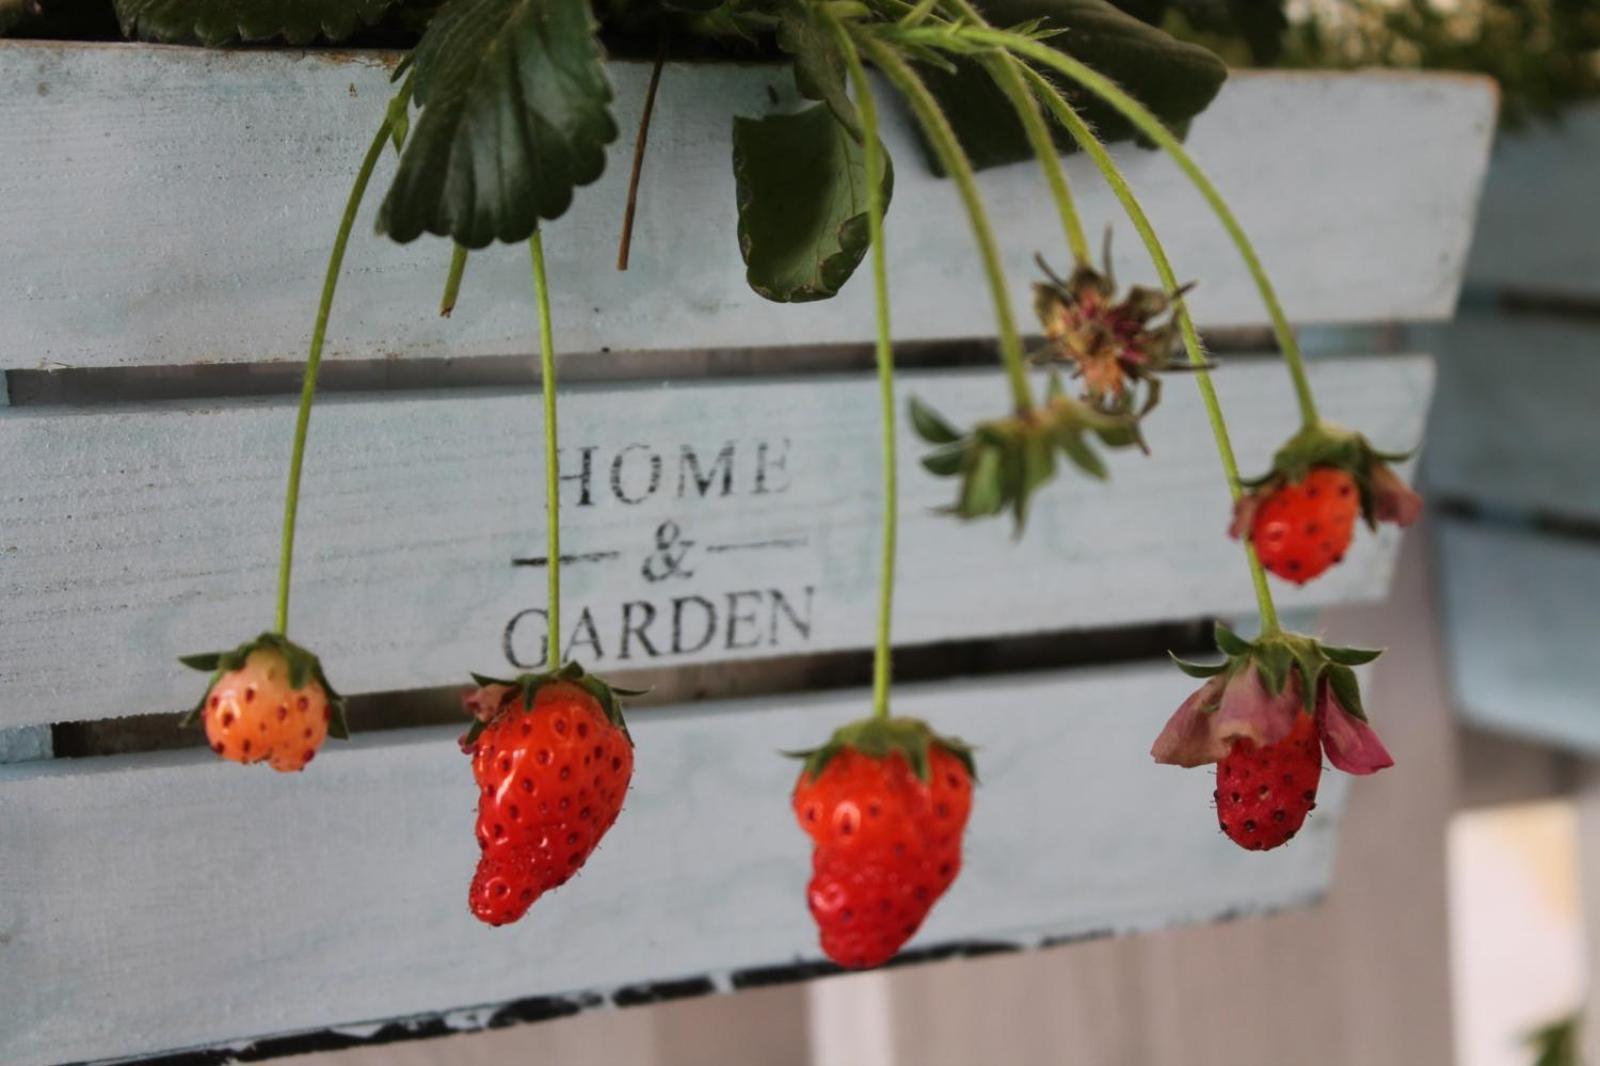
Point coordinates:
[(885, 801)]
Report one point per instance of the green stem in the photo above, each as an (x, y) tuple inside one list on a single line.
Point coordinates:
[(872, 148), (308, 384), (1006, 70), (954, 159), (452, 282), (552, 461), (1080, 131), (1152, 128)]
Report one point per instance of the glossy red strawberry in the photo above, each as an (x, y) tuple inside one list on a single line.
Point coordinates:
[(1264, 793), (1299, 529), (552, 765), (268, 702), (885, 805)]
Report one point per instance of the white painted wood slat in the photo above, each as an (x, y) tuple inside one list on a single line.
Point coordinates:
[(1519, 627), (1513, 426), (145, 533), (172, 206), (171, 899)]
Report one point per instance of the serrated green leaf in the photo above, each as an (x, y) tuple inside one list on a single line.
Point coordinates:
[(1174, 79), (516, 114), (930, 425), (1350, 656), (219, 22), (1198, 670), (802, 188)]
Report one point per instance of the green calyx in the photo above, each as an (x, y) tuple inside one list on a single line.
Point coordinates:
[(303, 667), (878, 738), (1277, 656), (528, 685), (1001, 462), (1326, 444)]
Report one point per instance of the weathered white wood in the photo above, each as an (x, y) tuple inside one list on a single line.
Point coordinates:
[(1520, 629), (173, 899), (141, 534), (176, 205), (1513, 425), (1537, 230)]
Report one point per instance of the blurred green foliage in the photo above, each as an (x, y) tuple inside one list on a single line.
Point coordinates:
[(1544, 53)]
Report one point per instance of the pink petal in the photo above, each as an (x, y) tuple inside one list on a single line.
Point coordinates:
[(484, 703), (1187, 739), (1250, 712), (1393, 500), (1244, 514), (1350, 743)]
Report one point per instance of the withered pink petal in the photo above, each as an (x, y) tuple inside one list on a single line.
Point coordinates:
[(484, 703), (1392, 499), (1250, 712), (1187, 739), (1350, 743), (1244, 514)]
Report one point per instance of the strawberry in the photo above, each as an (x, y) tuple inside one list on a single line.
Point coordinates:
[(1265, 793), (267, 702), (1302, 528), (1301, 514), (885, 803), (552, 760)]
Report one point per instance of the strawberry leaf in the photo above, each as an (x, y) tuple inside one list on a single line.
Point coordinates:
[(930, 425), (1346, 689), (516, 113), (1350, 656), (1174, 79), (219, 22), (1201, 671), (801, 181), (819, 67), (206, 661), (1229, 642)]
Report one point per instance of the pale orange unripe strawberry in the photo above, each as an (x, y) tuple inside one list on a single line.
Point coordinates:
[(268, 702)]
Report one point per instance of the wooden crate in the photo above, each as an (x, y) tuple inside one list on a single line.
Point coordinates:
[(170, 209)]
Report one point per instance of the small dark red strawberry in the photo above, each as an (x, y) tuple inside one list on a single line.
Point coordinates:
[(885, 809), (1299, 529), (1265, 793), (552, 774)]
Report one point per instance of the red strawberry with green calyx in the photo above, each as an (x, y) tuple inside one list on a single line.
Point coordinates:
[(1300, 516), (267, 701), (552, 758), (1266, 715), (885, 803)]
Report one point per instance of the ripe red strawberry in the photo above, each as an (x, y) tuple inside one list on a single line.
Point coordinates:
[(1299, 529), (1265, 793), (552, 773), (268, 702), (887, 837)]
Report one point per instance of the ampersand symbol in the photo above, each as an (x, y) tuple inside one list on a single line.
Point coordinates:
[(667, 560)]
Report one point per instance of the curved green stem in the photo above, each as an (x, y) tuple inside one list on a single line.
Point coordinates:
[(954, 159), (1080, 131), (452, 281), (1007, 72), (552, 460), (308, 384), (1152, 128), (872, 148)]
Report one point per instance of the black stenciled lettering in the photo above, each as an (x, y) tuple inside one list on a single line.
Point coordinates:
[(689, 471), (585, 475), (780, 604), (708, 624), (737, 618), (508, 639), (585, 633), (631, 630), (621, 460), (770, 457)]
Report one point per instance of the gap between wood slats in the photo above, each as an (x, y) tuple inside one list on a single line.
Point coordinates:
[(104, 386), (677, 686)]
